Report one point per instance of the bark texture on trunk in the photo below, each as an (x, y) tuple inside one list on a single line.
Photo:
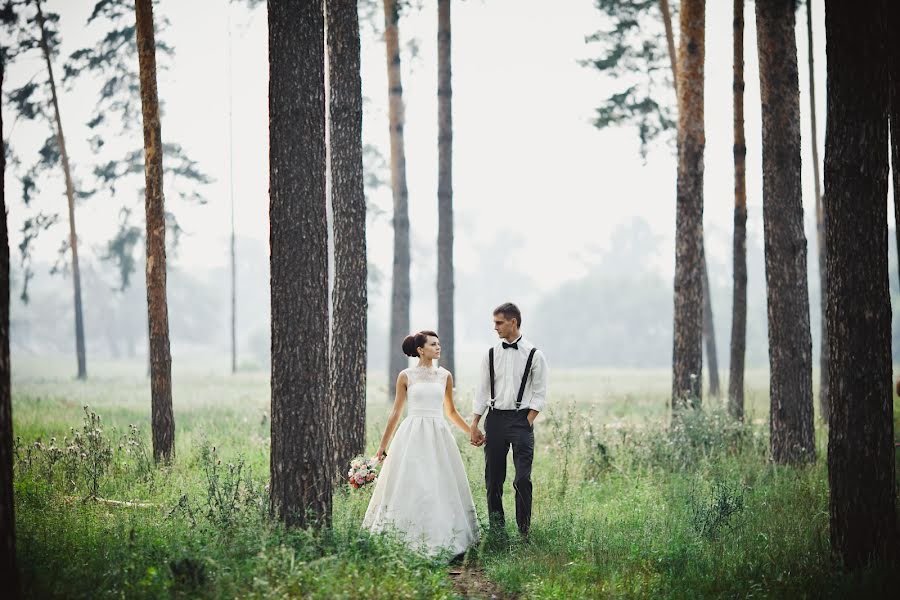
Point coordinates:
[(80, 353), (739, 290), (820, 220), (790, 346), (400, 287), (687, 355), (301, 462), (349, 298), (445, 283), (9, 574), (163, 419), (861, 433)]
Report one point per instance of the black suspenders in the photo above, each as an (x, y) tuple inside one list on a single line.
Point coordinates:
[(524, 376), (491, 365)]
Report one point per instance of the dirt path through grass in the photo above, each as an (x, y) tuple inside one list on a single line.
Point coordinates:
[(470, 582)]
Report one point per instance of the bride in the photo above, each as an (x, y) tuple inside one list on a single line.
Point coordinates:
[(423, 493)]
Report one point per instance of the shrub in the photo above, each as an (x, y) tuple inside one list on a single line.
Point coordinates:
[(715, 513)]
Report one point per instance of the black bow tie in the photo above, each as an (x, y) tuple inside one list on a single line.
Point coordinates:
[(514, 345)]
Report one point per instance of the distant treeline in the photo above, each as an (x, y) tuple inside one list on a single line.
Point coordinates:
[(618, 315)]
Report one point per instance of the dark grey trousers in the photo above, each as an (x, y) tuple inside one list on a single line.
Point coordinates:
[(505, 428)]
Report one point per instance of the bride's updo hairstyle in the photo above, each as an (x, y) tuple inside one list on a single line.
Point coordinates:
[(413, 342)]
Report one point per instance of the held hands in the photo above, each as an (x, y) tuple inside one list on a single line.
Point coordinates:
[(476, 437)]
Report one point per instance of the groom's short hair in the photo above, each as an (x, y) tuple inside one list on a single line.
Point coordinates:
[(509, 311)]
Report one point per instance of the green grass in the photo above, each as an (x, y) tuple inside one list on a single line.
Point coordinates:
[(624, 505)]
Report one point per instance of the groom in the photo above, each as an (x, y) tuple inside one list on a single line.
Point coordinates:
[(512, 387)]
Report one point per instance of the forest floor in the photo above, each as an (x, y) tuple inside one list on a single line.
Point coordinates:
[(624, 506)]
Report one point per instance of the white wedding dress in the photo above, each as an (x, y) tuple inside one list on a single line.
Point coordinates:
[(422, 492)]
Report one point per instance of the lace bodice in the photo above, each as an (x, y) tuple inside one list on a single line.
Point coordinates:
[(426, 375), (425, 390)]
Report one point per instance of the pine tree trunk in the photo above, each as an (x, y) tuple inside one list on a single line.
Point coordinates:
[(709, 329), (709, 333), (739, 293), (70, 197), (163, 420), (790, 346), (687, 355), (400, 290), (445, 284), (301, 466), (861, 433), (231, 202), (233, 297), (349, 298), (9, 574), (820, 221)]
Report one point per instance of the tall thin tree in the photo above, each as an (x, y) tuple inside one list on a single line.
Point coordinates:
[(232, 249), (8, 571), (400, 286), (709, 332), (70, 196), (739, 252), (820, 218), (790, 346), (687, 361), (445, 283), (349, 298), (163, 419), (861, 454), (301, 463), (894, 16), (709, 328)]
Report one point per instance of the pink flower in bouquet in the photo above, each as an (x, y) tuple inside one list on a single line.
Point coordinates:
[(362, 471)]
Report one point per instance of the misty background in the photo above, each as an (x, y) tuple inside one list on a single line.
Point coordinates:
[(567, 221)]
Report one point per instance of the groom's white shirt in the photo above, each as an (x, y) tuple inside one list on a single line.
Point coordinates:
[(509, 365)]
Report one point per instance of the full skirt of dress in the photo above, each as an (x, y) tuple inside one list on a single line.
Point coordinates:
[(422, 492)]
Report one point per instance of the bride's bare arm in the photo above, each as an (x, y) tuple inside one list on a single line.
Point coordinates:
[(450, 407), (394, 418)]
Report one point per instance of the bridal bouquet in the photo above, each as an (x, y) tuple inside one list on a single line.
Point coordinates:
[(362, 471)]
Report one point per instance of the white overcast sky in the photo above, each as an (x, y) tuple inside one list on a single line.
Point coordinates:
[(528, 164)]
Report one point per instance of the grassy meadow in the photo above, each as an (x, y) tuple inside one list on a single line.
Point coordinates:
[(624, 505)]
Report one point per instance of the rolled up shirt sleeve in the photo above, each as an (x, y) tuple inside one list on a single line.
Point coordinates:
[(482, 392), (539, 373)]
